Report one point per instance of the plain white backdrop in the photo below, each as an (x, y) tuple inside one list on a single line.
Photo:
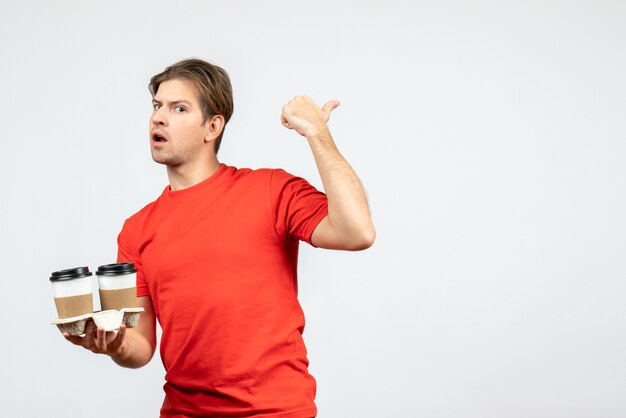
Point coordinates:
[(490, 137)]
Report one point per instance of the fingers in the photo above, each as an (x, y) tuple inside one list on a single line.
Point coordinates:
[(104, 340), (305, 117), (306, 102), (283, 119), (74, 339), (101, 340), (114, 345), (88, 340), (97, 340)]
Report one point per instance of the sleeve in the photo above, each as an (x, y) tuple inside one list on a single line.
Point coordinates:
[(127, 252), (298, 206)]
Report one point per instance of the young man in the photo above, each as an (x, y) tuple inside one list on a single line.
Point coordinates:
[(216, 256)]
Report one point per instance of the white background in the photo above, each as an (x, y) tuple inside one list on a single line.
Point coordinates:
[(490, 137)]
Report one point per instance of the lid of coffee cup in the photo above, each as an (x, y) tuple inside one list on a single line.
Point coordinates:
[(69, 274), (116, 269)]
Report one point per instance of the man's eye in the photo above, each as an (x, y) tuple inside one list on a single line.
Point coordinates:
[(156, 106), (180, 109)]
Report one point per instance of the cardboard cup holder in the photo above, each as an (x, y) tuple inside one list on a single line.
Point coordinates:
[(73, 294), (110, 320)]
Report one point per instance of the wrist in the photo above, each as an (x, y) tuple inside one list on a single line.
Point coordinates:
[(319, 136)]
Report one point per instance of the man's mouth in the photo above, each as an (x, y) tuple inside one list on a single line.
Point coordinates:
[(158, 137)]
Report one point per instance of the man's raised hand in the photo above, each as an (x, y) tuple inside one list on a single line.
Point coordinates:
[(305, 117)]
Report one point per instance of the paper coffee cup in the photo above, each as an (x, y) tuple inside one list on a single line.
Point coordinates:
[(118, 286), (72, 291)]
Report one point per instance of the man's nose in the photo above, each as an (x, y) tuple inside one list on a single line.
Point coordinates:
[(158, 117)]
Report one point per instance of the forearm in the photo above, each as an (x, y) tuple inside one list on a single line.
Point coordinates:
[(348, 211), (136, 352), (348, 225)]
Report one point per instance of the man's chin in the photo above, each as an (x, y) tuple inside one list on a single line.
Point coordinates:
[(159, 157), (164, 160)]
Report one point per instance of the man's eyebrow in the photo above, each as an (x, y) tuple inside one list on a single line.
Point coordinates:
[(173, 102)]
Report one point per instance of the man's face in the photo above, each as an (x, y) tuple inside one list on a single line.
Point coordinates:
[(177, 127)]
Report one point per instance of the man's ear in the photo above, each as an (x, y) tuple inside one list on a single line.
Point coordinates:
[(214, 126)]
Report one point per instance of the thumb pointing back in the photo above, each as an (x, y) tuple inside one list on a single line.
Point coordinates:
[(330, 106)]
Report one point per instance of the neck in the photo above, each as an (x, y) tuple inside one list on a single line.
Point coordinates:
[(184, 176)]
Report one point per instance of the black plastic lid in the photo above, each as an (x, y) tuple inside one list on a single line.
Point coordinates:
[(116, 269), (69, 274)]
